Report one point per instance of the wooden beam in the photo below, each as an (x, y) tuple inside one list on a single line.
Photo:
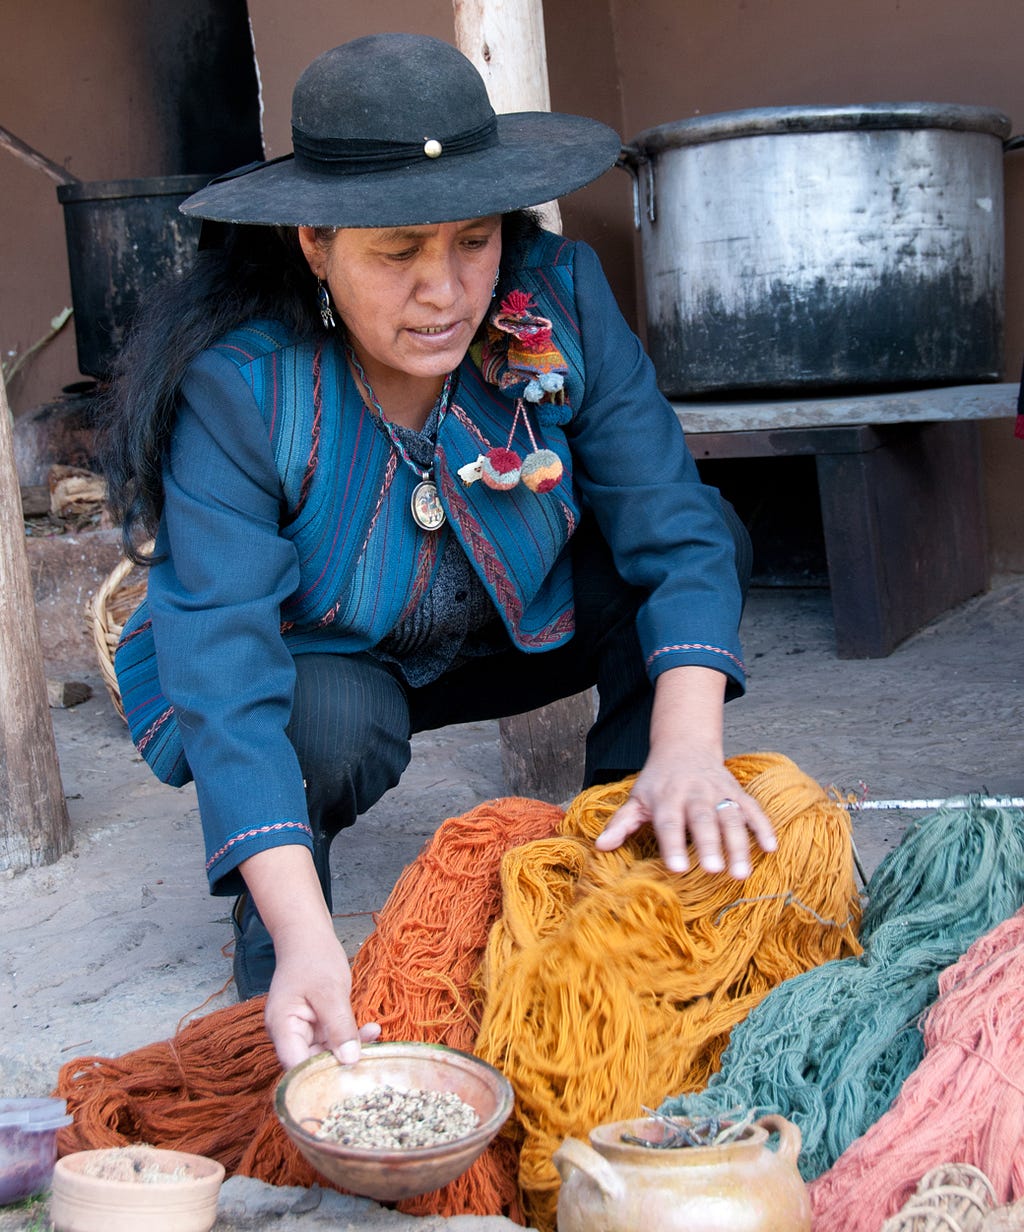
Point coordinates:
[(34, 825), (505, 40), (20, 149)]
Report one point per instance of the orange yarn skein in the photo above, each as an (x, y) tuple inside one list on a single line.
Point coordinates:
[(210, 1089)]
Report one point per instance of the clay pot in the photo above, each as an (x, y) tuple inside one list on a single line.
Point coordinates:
[(308, 1090), (173, 1191), (740, 1186)]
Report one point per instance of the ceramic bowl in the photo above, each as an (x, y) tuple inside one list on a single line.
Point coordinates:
[(170, 1191), (308, 1090), (28, 1145)]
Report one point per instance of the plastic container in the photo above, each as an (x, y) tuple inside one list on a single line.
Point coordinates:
[(28, 1145)]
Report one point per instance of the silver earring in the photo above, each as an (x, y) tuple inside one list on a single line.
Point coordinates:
[(497, 275), (323, 297)]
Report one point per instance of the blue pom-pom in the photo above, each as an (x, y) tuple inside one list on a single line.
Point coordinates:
[(552, 382), (533, 391)]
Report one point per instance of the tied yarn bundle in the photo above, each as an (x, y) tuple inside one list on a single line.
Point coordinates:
[(415, 973), (436, 970), (210, 1089), (609, 980), (964, 1102), (830, 1049)]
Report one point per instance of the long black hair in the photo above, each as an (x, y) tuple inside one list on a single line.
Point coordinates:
[(241, 273)]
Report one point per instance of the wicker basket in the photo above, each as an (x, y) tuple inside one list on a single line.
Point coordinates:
[(119, 595)]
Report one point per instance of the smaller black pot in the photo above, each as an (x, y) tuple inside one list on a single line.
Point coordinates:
[(123, 236)]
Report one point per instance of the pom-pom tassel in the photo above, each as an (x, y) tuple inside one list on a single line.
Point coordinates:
[(500, 469), (541, 470)]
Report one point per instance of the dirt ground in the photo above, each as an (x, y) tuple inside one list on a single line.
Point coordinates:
[(113, 946)]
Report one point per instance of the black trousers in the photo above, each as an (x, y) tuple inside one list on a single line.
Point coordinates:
[(353, 716)]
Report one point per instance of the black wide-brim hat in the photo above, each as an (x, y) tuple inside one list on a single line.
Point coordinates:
[(397, 130)]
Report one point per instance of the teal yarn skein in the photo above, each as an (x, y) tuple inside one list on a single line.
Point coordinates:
[(829, 1049)]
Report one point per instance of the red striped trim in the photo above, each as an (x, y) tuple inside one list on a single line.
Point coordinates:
[(340, 525), (130, 637), (314, 439), (275, 360), (255, 832), (389, 475), (233, 346), (553, 294), (424, 569), (505, 594), (153, 728), (469, 425), (697, 646)]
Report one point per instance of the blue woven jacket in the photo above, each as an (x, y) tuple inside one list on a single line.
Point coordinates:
[(286, 530)]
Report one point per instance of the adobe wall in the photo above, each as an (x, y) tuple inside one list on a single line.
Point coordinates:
[(89, 86)]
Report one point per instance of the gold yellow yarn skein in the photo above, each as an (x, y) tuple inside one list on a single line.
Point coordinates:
[(610, 983)]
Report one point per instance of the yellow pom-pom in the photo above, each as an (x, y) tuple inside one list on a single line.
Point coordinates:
[(541, 470)]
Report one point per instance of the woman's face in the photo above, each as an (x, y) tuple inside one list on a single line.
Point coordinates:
[(411, 298)]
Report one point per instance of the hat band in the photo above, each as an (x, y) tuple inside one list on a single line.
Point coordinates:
[(346, 156)]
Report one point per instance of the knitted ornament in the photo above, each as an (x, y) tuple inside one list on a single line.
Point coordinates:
[(541, 470), (547, 383), (519, 355), (500, 469)]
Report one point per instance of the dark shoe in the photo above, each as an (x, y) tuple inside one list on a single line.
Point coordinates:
[(253, 961)]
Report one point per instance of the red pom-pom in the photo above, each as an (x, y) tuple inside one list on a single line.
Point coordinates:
[(516, 302), (537, 341), (500, 468)]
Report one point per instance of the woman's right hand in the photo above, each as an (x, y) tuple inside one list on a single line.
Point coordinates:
[(309, 1005)]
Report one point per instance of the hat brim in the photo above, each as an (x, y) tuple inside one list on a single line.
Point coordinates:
[(538, 157)]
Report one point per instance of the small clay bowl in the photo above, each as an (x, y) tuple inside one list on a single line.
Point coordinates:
[(307, 1091), (89, 1194)]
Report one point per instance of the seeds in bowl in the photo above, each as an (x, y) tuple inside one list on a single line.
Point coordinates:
[(388, 1119)]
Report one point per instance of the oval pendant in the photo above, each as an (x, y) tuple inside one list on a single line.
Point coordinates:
[(427, 510)]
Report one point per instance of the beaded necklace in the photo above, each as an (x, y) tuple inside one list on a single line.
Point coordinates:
[(425, 504)]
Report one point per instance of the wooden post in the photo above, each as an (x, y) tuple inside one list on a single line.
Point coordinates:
[(505, 40), (542, 751), (34, 825)]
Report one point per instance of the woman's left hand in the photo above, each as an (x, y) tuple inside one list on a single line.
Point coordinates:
[(685, 790), (690, 797)]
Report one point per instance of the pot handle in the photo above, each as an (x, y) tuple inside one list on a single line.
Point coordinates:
[(1013, 143), (790, 1138), (576, 1154), (635, 161)]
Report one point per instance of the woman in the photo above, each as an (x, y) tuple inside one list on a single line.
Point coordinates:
[(407, 466)]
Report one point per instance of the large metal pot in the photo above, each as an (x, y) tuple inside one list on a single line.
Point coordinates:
[(811, 247)]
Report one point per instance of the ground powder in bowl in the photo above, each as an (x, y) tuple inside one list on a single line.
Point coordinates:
[(138, 1164), (389, 1119)]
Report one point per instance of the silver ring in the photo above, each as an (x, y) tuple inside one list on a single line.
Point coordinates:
[(724, 804)]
